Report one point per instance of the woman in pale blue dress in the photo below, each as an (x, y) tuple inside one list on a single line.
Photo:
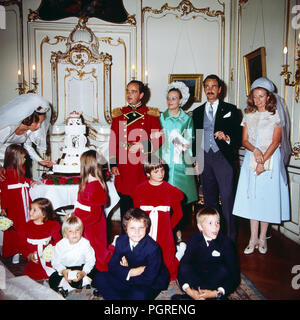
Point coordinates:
[(262, 193)]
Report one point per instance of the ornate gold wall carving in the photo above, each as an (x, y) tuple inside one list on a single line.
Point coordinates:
[(185, 8)]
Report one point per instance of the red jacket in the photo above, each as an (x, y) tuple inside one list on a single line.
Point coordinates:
[(127, 127)]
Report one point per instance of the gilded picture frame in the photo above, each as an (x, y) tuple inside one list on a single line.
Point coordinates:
[(254, 66), (193, 81)]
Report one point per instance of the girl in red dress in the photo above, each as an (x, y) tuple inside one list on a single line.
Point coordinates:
[(89, 207), (159, 198), (40, 231), (15, 199)]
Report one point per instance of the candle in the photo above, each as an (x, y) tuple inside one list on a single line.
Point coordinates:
[(146, 76), (20, 80), (285, 50), (132, 72), (33, 72)]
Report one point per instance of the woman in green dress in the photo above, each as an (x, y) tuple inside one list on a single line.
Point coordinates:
[(176, 151)]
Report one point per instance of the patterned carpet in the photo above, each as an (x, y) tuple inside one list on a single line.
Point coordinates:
[(245, 291)]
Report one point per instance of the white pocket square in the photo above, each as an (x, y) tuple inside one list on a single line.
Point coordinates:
[(215, 253), (227, 115)]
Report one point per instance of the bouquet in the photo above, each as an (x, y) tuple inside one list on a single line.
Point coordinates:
[(48, 252), (5, 223)]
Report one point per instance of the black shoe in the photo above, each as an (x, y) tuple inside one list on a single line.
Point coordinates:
[(62, 291), (181, 297), (97, 293)]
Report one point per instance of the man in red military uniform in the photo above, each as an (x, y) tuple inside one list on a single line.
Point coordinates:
[(134, 133)]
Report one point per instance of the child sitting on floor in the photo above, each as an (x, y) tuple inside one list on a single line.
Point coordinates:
[(41, 231), (136, 270), (209, 266), (73, 259)]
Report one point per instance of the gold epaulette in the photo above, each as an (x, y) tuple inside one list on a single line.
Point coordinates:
[(116, 112), (153, 112)]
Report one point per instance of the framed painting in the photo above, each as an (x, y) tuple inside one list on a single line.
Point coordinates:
[(107, 10), (254, 66), (193, 81)]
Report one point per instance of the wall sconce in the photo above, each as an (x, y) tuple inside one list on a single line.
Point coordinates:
[(132, 72), (23, 86), (296, 150), (287, 74)]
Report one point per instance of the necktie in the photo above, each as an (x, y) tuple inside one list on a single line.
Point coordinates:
[(208, 242), (211, 112)]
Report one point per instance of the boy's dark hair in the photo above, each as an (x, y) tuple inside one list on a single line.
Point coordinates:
[(152, 162), (136, 214)]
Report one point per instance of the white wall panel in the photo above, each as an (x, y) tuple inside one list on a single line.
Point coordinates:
[(10, 54), (181, 38), (118, 41)]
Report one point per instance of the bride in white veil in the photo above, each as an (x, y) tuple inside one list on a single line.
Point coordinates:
[(25, 120)]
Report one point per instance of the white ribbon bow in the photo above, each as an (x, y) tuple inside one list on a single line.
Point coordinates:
[(82, 206), (154, 218), (25, 196), (40, 243)]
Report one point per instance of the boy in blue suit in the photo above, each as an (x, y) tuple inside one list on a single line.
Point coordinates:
[(136, 270), (209, 268)]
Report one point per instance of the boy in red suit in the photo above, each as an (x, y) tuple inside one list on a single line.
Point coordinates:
[(132, 136)]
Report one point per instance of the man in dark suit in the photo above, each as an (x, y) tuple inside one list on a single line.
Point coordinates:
[(220, 124), (136, 270), (209, 267)]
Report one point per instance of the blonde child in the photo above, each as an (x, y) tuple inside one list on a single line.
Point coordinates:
[(15, 199), (92, 196), (73, 258), (39, 232), (209, 268)]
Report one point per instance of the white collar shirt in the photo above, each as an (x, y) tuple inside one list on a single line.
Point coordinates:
[(214, 105)]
